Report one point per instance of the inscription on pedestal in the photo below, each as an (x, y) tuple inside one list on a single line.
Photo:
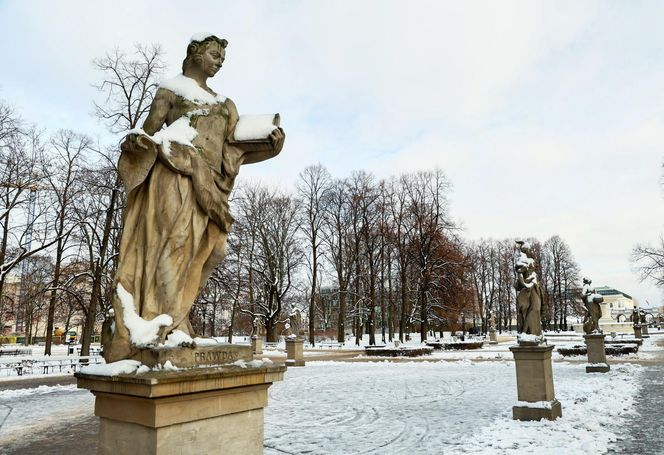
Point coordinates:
[(185, 357)]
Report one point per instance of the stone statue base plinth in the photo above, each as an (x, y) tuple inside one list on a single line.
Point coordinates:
[(637, 332), (200, 356), (257, 344), (534, 382), (202, 410), (644, 329), (596, 353), (493, 338), (294, 352)]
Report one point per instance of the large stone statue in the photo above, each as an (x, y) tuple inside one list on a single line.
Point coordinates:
[(529, 292), (591, 301), (178, 172)]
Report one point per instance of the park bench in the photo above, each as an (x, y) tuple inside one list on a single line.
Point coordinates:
[(15, 351), (330, 344)]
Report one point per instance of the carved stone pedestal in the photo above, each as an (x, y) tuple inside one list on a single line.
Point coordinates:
[(257, 344), (203, 410), (644, 330), (294, 352), (493, 339), (534, 381), (637, 331), (596, 354)]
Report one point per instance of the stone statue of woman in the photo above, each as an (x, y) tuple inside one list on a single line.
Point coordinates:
[(529, 292), (178, 172), (591, 301)]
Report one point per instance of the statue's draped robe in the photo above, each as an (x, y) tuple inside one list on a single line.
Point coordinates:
[(176, 220), (529, 304)]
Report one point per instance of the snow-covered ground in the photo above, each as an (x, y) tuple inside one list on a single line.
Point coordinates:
[(440, 407), (431, 407)]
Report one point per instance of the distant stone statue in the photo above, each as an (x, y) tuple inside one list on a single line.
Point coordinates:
[(295, 320), (636, 317), (529, 292), (178, 172), (258, 328), (492, 323), (591, 301)]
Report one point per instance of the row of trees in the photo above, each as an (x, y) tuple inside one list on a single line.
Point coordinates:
[(358, 255), (61, 201)]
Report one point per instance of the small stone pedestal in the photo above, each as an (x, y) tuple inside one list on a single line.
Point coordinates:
[(637, 331), (644, 330), (596, 353), (493, 339), (201, 410), (294, 352), (534, 382), (257, 344)]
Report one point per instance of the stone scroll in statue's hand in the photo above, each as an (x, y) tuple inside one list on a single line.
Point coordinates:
[(258, 135)]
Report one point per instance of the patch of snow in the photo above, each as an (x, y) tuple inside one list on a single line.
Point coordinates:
[(200, 37), (41, 390), (113, 368), (189, 89), (176, 337), (527, 338), (206, 341), (254, 127), (168, 366), (142, 332), (143, 369), (240, 363), (534, 404), (179, 131)]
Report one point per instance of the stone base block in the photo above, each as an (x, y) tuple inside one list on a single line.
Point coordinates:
[(294, 352), (202, 411), (596, 349), (525, 413), (493, 342), (534, 382), (257, 344), (598, 368)]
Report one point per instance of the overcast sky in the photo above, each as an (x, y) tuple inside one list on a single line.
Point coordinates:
[(548, 117)]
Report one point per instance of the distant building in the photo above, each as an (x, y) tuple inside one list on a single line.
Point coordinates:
[(617, 305)]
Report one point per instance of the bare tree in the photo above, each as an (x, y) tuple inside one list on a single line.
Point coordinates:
[(649, 262), (338, 245), (312, 186), (129, 84), (62, 173), (277, 253)]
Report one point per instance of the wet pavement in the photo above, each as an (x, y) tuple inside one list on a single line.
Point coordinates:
[(644, 435)]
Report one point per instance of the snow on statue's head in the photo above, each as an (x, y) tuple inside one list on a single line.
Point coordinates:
[(197, 46)]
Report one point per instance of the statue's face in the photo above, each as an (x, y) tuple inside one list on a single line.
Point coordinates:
[(212, 59)]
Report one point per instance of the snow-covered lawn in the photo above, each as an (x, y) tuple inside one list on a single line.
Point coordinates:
[(440, 407)]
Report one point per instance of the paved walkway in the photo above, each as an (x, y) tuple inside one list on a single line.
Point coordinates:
[(644, 435)]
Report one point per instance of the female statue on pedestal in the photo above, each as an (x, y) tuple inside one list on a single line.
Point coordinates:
[(178, 173), (529, 292), (591, 302)]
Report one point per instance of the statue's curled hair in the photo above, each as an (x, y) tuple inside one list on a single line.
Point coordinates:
[(196, 48)]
